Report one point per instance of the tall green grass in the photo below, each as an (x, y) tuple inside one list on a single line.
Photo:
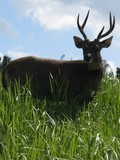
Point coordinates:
[(32, 129)]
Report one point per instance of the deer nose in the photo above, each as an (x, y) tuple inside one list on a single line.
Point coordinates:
[(89, 55)]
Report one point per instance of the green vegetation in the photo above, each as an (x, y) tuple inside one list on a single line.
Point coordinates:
[(42, 130)]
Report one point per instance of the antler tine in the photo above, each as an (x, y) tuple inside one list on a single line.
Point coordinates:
[(110, 20), (99, 35), (112, 25), (83, 25)]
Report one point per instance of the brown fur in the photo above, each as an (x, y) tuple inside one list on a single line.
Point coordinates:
[(81, 81)]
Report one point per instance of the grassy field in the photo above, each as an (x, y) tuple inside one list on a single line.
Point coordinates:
[(40, 130)]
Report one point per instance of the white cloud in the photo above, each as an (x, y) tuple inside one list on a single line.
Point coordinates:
[(60, 14), (18, 52), (113, 67), (51, 14), (1, 56), (14, 54), (7, 28)]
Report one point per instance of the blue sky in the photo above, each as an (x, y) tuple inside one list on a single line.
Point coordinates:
[(45, 28)]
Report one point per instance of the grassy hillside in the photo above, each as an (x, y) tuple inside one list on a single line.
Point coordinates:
[(40, 130)]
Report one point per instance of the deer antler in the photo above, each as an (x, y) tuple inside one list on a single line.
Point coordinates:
[(112, 25), (81, 28)]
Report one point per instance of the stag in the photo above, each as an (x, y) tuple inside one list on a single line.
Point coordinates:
[(82, 77)]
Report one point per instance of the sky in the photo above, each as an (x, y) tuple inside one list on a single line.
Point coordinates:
[(45, 28)]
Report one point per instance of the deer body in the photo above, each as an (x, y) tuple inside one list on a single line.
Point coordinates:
[(82, 81), (83, 77)]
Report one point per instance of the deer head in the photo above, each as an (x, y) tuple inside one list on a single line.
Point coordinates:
[(91, 49)]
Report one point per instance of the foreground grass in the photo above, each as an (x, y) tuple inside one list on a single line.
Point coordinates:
[(42, 130)]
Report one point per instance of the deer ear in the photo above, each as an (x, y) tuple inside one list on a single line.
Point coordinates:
[(106, 43), (78, 42)]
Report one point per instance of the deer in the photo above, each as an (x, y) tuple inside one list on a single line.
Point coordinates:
[(80, 78)]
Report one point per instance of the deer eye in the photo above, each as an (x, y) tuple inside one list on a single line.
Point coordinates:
[(86, 46), (97, 46)]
